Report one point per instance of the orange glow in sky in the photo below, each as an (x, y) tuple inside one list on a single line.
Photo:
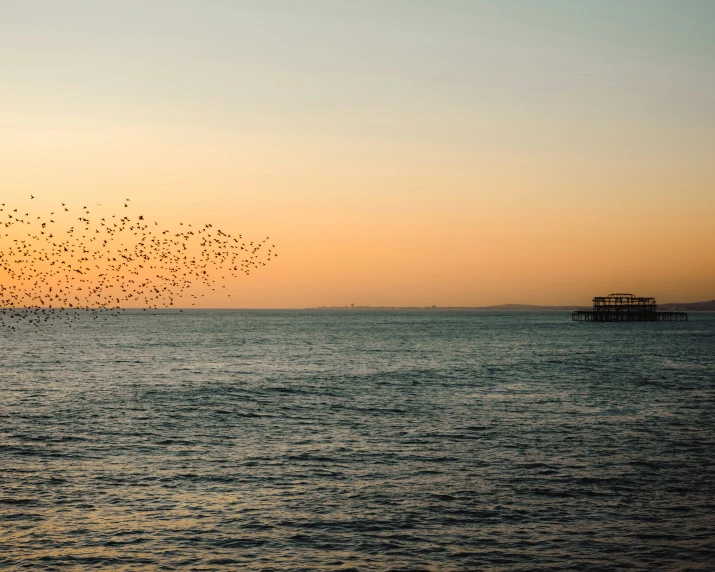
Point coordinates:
[(456, 154)]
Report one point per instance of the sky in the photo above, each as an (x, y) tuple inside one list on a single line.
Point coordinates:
[(398, 153)]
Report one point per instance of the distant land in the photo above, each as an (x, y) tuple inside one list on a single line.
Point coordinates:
[(688, 306), (669, 307)]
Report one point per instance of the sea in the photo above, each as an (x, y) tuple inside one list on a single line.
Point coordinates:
[(357, 440)]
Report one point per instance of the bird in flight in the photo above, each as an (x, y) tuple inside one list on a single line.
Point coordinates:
[(53, 270)]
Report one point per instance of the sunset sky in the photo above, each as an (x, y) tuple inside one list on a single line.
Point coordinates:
[(456, 153)]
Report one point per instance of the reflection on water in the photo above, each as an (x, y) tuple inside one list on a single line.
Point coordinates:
[(358, 440)]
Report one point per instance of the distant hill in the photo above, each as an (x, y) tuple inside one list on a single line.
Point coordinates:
[(670, 307), (688, 306), (531, 307)]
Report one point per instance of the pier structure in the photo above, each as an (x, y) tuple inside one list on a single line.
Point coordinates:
[(626, 308)]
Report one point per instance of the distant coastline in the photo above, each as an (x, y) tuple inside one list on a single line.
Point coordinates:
[(669, 307)]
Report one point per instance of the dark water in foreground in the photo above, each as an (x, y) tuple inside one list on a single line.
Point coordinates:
[(352, 440)]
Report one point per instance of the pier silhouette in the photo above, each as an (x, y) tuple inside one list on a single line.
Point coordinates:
[(626, 308)]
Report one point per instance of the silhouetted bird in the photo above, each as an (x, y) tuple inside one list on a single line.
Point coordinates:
[(99, 266)]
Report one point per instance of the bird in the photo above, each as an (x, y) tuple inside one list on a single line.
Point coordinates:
[(100, 267)]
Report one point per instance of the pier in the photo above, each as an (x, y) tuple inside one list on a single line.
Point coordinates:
[(626, 308)]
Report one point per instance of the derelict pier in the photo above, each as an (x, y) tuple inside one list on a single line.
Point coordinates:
[(626, 308)]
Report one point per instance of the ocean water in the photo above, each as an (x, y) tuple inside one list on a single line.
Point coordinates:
[(357, 440)]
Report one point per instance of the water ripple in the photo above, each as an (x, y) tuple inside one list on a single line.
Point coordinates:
[(279, 440)]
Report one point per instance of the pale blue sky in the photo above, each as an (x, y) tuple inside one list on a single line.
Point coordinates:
[(222, 60)]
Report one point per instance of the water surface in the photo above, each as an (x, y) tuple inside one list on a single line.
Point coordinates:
[(355, 440)]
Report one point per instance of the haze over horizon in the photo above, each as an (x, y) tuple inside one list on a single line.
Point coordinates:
[(398, 154)]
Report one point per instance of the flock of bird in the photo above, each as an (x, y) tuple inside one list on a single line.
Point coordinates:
[(66, 264)]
